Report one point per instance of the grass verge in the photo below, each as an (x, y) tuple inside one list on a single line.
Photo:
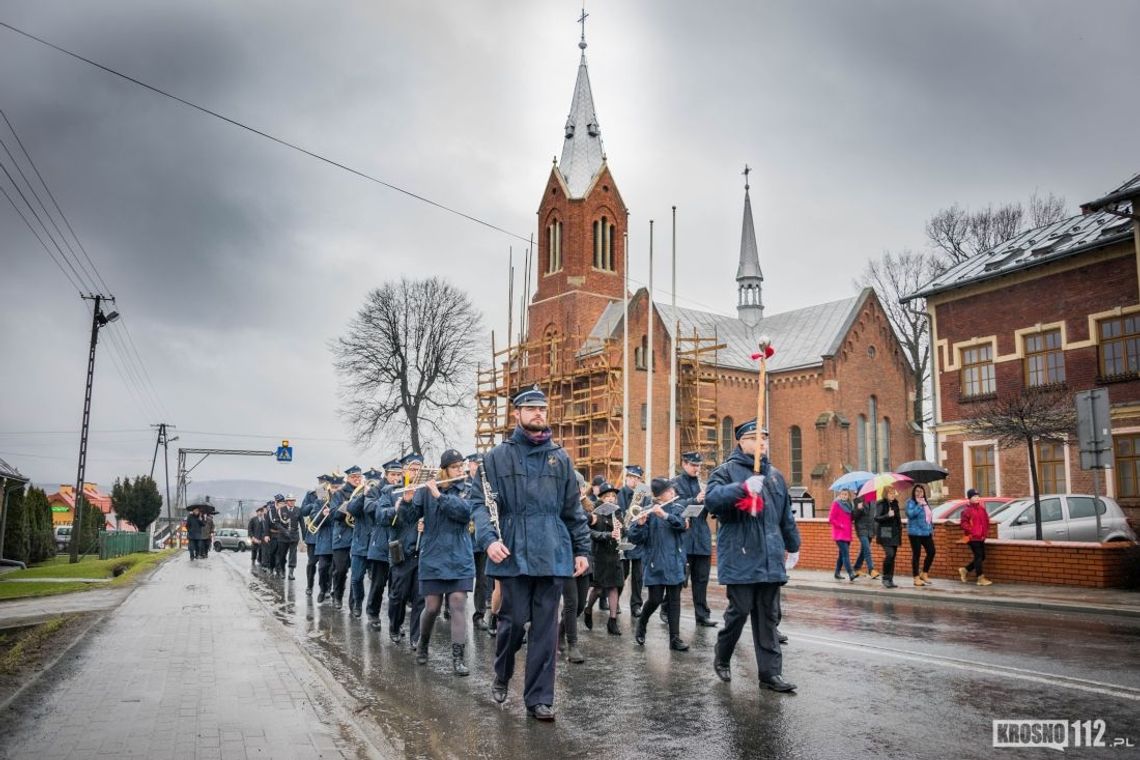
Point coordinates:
[(17, 647), (27, 590), (123, 570)]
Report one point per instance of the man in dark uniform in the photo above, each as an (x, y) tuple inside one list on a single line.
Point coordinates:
[(482, 594), (697, 540), (405, 574), (320, 513), (273, 528), (362, 522), (307, 504), (544, 539), (631, 565), (756, 528), (255, 536), (342, 531), (379, 560), (289, 536)]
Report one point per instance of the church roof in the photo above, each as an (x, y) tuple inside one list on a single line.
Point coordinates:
[(749, 255), (582, 151), (1043, 245), (801, 337)]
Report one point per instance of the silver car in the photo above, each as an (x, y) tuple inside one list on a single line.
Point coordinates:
[(236, 539), (1065, 517)]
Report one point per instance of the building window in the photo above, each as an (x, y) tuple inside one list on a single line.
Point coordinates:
[(610, 249), (644, 416), (554, 247), (1119, 346), (983, 470), (1044, 359), (604, 245), (861, 441), (1051, 467), (978, 371), (552, 350), (885, 444), (727, 437), (797, 455), (872, 432), (641, 354), (1127, 456)]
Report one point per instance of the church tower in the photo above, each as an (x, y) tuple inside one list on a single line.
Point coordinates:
[(749, 278), (580, 266)]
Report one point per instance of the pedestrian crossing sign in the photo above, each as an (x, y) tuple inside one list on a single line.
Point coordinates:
[(284, 452)]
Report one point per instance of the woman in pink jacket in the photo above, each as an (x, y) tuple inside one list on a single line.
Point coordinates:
[(841, 525)]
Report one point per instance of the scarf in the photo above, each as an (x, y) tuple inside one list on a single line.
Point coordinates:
[(536, 439)]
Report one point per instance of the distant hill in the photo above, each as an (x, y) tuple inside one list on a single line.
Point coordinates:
[(225, 495)]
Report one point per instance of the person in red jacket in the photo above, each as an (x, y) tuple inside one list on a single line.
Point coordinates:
[(976, 526)]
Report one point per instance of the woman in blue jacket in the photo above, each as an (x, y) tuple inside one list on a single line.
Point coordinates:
[(920, 531), (447, 559), (659, 531)]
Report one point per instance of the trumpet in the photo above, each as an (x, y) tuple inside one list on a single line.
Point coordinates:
[(314, 526), (418, 486)]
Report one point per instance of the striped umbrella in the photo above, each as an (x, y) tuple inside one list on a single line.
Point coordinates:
[(876, 484)]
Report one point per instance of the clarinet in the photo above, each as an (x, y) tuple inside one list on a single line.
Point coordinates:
[(489, 500)]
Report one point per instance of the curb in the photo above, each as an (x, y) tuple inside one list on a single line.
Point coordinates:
[(933, 596)]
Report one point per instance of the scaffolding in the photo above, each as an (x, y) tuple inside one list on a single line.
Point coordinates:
[(697, 394), (584, 393)]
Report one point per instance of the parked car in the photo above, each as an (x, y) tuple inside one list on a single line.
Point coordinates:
[(236, 539), (952, 510), (1065, 517), (62, 537)]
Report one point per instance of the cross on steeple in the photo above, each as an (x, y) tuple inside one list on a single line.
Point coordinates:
[(745, 173), (582, 21)]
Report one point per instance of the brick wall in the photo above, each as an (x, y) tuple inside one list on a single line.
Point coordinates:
[(1055, 563)]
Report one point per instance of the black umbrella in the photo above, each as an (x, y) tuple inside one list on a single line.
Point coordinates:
[(922, 471)]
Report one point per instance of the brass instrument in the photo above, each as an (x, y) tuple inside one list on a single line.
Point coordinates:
[(314, 526), (417, 486)]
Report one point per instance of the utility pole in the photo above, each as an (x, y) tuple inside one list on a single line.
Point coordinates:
[(164, 440)]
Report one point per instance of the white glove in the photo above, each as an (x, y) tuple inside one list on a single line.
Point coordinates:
[(755, 484), (792, 559)]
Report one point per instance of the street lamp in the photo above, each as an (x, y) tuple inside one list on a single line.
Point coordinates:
[(98, 319)]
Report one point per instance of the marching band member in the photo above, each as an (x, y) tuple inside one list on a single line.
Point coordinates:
[(755, 527), (606, 577), (482, 594), (289, 536), (378, 557), (405, 589), (447, 566), (697, 540), (576, 589), (308, 505), (631, 565), (659, 529), (342, 532), (362, 521), (543, 538), (323, 547)]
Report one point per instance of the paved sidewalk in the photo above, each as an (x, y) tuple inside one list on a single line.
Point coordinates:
[(190, 666), (1008, 595)]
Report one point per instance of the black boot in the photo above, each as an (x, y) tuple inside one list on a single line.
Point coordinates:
[(639, 632), (457, 660), (612, 627), (493, 626), (588, 618), (422, 649), (478, 622), (677, 644), (573, 653)]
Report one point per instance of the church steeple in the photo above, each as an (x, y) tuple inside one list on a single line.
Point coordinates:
[(582, 151), (749, 278)]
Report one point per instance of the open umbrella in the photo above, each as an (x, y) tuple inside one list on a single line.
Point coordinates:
[(876, 484), (922, 471), (852, 480)]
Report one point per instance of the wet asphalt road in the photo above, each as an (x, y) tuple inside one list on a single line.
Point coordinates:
[(876, 679)]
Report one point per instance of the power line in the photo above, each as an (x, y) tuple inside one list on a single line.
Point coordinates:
[(47, 250), (266, 135)]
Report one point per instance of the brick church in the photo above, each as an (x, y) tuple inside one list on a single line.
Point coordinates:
[(840, 392)]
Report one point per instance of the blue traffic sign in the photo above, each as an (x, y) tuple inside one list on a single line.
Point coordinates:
[(284, 452)]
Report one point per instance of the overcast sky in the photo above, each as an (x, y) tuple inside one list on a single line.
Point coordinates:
[(235, 261)]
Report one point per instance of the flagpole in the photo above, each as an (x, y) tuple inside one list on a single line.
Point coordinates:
[(625, 354), (649, 365), (673, 363)]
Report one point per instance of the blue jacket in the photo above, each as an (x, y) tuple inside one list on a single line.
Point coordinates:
[(446, 551), (399, 528), (341, 533), (663, 562), (377, 500), (697, 540), (362, 523), (541, 520), (322, 541), (306, 505), (750, 549), (625, 499), (916, 522)]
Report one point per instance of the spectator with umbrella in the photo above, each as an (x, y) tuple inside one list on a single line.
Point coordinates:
[(920, 531), (840, 518), (888, 519)]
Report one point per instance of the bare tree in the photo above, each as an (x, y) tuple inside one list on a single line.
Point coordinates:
[(407, 359), (960, 233), (1022, 418), (894, 275)]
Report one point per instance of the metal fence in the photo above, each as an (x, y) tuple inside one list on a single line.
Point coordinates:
[(115, 543)]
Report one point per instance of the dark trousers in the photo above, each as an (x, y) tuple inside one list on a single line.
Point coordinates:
[(979, 550), (699, 566), (843, 561), (761, 603), (324, 571), (480, 583), (269, 553), (378, 579), (864, 553), (339, 573), (671, 595), (356, 580), (917, 544), (254, 553), (574, 591), (199, 547), (532, 599), (632, 570), (406, 593), (310, 563), (889, 562), (286, 555)]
